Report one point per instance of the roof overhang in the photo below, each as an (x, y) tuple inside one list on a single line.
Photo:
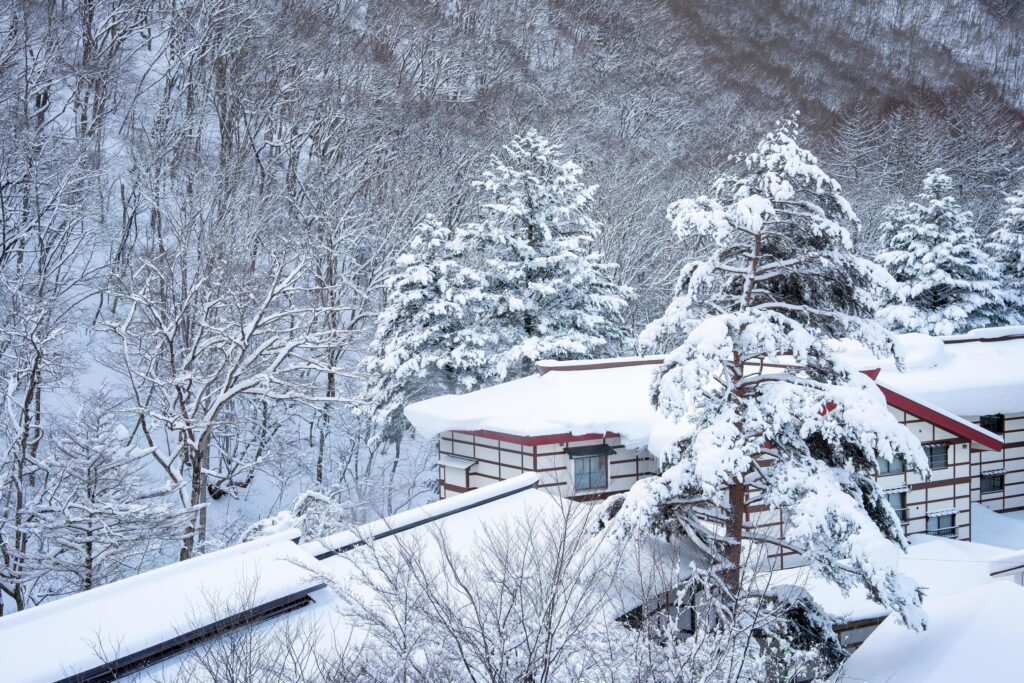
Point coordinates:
[(953, 424)]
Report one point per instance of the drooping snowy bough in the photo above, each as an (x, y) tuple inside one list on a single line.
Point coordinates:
[(765, 417)]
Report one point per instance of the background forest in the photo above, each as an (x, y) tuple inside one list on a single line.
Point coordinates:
[(201, 203)]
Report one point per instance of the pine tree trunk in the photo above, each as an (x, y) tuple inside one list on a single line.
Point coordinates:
[(734, 534), (394, 468)]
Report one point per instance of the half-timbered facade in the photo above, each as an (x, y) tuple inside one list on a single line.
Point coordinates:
[(587, 429)]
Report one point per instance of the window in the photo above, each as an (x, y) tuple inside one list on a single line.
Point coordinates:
[(942, 525), (897, 466), (898, 501), (991, 483), (994, 423), (591, 472), (590, 466), (938, 455)]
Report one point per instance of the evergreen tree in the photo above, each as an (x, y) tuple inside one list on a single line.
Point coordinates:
[(424, 342), (1006, 244), (948, 284), (761, 410), (106, 515), (549, 293)]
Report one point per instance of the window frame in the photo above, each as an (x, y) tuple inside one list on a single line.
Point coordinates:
[(591, 454), (998, 476), (590, 461), (945, 445), (951, 531), (885, 467), (901, 510), (1000, 423)]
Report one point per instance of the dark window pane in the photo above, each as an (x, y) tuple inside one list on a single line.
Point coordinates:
[(897, 466), (938, 455), (591, 472), (991, 483), (942, 525), (898, 501), (994, 423)]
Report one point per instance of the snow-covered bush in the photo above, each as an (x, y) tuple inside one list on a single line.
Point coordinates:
[(106, 514)]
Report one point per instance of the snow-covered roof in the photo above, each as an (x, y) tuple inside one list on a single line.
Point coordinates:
[(632, 570), (432, 513), (1003, 529), (978, 373), (942, 566), (946, 381), (90, 629), (578, 399), (972, 635), (86, 631)]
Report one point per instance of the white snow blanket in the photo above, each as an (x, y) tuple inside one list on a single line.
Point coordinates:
[(973, 635), (968, 378), (86, 630), (558, 402)]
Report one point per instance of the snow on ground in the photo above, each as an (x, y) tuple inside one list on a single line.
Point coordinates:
[(77, 633), (969, 378), (973, 635)]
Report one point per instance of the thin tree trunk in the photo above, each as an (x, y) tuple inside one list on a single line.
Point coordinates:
[(734, 535)]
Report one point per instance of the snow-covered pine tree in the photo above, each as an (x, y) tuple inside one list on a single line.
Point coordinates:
[(425, 342), (106, 515), (550, 294), (761, 412), (1006, 244), (948, 284)]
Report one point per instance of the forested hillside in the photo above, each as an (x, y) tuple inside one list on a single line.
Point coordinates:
[(201, 203)]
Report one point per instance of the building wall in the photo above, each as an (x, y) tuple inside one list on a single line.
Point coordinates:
[(949, 487), (952, 488), (498, 460), (1011, 460)]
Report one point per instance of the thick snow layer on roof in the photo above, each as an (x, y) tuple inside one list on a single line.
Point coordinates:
[(626, 571), (972, 636), (63, 637), (941, 566), (968, 378), (431, 512), (994, 528), (558, 402)]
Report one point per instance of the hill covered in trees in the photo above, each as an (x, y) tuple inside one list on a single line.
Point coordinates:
[(202, 201)]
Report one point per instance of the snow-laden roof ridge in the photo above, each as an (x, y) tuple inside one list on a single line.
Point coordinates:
[(605, 363), (967, 424), (425, 514), (986, 334), (190, 565)]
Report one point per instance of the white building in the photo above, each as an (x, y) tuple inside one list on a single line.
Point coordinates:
[(587, 428)]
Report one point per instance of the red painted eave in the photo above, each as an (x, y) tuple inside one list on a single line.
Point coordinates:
[(541, 440), (952, 426)]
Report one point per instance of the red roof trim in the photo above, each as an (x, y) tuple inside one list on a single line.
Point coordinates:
[(542, 440), (950, 425)]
